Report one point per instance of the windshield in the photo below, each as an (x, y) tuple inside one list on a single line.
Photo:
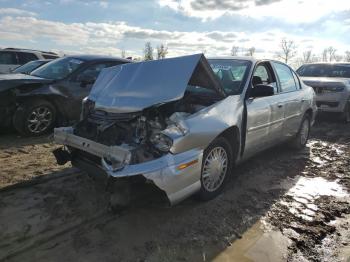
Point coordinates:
[(58, 69), (28, 67), (231, 73), (325, 70)]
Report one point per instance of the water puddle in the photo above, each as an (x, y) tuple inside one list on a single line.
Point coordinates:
[(257, 244), (261, 243)]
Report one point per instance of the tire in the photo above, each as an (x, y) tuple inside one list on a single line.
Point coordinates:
[(346, 114), (34, 118), (218, 156), (301, 138)]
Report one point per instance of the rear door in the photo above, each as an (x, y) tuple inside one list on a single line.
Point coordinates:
[(265, 115), (8, 61), (292, 98)]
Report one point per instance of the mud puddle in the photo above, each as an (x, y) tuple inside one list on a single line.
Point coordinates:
[(306, 204)]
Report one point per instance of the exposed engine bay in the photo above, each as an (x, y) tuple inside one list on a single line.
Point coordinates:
[(141, 132)]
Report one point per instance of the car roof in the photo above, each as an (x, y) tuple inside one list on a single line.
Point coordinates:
[(89, 58), (10, 49), (246, 58), (329, 63)]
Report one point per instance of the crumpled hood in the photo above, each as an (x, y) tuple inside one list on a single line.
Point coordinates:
[(136, 86), (8, 81)]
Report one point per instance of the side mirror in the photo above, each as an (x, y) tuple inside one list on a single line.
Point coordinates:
[(86, 80), (262, 90)]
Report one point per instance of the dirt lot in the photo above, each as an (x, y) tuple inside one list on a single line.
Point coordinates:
[(282, 205)]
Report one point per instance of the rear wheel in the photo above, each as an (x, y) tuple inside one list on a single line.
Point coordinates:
[(216, 168), (301, 138), (34, 118)]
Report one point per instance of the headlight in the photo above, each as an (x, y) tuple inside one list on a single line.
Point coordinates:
[(161, 142)]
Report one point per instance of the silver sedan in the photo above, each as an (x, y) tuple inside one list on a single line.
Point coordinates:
[(184, 123)]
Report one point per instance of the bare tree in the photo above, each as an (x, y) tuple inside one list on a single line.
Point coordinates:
[(347, 56), (162, 51), (234, 50), (148, 52), (331, 53), (307, 56), (288, 50), (325, 55), (250, 51), (123, 53)]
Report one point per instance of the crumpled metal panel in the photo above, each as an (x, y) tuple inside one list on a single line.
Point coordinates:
[(134, 87)]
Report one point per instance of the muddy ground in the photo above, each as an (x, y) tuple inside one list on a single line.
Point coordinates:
[(281, 205)]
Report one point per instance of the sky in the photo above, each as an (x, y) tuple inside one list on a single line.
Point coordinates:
[(185, 26)]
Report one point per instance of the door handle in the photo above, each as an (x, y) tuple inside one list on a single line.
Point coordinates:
[(280, 105), (303, 100)]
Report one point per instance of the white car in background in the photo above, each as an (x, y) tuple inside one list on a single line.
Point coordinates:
[(331, 82), (11, 58)]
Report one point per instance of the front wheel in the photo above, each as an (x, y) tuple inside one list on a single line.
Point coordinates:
[(216, 168), (301, 138), (34, 118)]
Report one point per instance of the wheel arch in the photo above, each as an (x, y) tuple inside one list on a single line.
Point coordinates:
[(53, 99), (232, 134)]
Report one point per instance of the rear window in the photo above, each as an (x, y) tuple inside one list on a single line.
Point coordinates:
[(8, 58), (325, 70)]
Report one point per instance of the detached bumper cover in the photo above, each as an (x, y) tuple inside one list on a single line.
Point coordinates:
[(177, 183)]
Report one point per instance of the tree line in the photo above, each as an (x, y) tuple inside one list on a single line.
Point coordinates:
[(287, 52)]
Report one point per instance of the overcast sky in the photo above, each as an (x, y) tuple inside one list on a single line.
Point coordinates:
[(186, 26)]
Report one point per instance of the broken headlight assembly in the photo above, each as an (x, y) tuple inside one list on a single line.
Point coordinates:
[(161, 142), (87, 106)]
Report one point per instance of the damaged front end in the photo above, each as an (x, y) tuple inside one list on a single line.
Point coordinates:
[(136, 121)]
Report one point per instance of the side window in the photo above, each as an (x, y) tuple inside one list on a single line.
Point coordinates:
[(261, 72), (286, 77), (263, 75), (8, 58), (24, 58), (92, 71), (296, 79), (50, 56)]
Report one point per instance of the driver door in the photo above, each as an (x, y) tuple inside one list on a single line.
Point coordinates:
[(265, 115)]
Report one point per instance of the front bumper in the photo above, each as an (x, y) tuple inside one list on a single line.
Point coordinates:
[(165, 172), (332, 102)]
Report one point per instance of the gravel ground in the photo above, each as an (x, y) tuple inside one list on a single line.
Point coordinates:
[(281, 205)]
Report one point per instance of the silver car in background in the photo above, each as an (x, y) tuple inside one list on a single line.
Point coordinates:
[(331, 82), (184, 123)]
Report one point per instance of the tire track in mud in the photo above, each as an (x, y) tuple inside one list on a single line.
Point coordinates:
[(38, 211), (40, 180)]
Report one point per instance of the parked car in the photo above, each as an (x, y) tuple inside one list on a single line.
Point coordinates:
[(331, 82), (29, 67), (51, 95), (11, 58), (183, 123)]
